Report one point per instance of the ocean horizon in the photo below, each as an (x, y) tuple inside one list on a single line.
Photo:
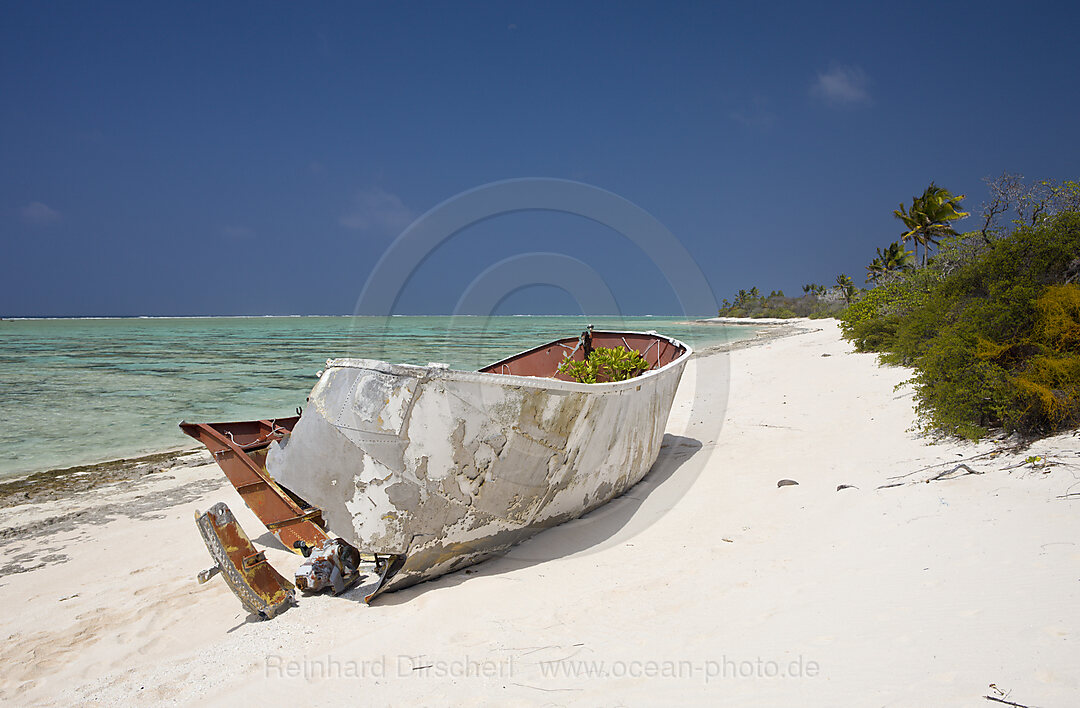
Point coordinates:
[(17, 318), (84, 390)]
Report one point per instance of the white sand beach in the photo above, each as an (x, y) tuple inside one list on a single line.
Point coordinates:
[(706, 583)]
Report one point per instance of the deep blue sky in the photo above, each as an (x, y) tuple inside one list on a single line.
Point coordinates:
[(226, 158)]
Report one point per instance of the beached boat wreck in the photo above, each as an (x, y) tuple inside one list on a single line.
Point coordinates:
[(426, 469)]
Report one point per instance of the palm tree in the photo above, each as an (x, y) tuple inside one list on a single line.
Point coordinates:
[(927, 220), (911, 221), (847, 287), (892, 259)]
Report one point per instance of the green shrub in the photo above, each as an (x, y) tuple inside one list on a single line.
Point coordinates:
[(605, 364), (992, 330), (873, 322)]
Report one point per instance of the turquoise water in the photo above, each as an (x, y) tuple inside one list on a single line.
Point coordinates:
[(82, 391)]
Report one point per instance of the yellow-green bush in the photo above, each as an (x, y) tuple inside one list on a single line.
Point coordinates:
[(1058, 323)]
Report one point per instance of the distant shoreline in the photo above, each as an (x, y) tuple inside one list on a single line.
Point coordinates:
[(752, 320)]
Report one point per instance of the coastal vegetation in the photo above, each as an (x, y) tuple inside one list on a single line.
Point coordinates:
[(988, 319), (991, 322), (817, 301)]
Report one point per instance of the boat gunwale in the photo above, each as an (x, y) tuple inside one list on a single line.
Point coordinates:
[(430, 372)]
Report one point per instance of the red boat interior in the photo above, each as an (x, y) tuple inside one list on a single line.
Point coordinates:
[(544, 360)]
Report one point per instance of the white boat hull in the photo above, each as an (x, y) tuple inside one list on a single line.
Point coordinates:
[(445, 468)]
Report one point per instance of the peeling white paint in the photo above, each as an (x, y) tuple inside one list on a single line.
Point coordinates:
[(449, 466)]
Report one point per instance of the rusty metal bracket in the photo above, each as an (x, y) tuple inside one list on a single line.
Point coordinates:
[(261, 589), (239, 450)]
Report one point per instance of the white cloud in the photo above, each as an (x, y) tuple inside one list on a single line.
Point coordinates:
[(376, 210), (239, 233), (842, 85), (755, 113), (38, 214)]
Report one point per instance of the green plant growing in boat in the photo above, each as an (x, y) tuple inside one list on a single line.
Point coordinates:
[(605, 364)]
